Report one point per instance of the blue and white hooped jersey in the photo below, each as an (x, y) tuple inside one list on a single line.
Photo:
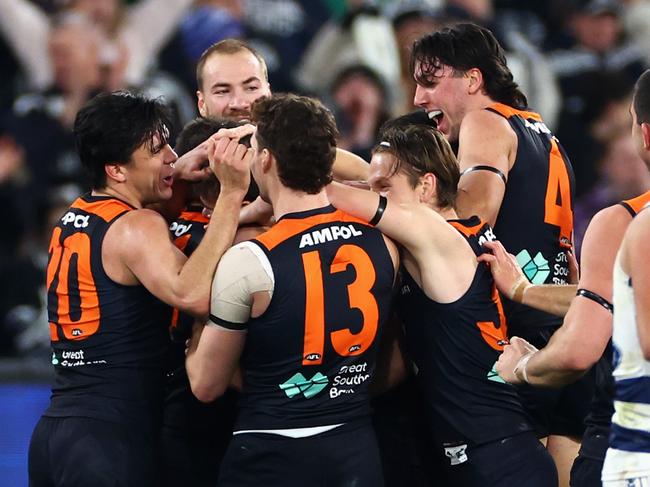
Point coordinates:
[(628, 455)]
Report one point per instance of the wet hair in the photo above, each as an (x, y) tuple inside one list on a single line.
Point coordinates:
[(112, 126), (196, 132), (227, 46), (463, 47), (301, 134), (418, 150), (642, 98)]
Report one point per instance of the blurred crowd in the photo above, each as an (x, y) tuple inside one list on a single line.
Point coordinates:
[(576, 60)]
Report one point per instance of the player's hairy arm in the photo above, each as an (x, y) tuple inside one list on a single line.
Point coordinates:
[(636, 249), (485, 139), (587, 327)]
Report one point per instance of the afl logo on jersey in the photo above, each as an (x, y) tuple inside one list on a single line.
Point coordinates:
[(354, 348), (312, 357)]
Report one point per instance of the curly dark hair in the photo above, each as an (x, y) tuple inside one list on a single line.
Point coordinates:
[(419, 149), (463, 47), (111, 126), (301, 134)]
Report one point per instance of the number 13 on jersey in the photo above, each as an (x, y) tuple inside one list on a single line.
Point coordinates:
[(344, 342)]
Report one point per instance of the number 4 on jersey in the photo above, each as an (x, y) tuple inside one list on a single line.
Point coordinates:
[(557, 211)]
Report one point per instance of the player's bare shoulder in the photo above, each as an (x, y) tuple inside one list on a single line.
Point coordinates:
[(136, 228), (485, 130), (136, 232), (487, 122), (609, 224)]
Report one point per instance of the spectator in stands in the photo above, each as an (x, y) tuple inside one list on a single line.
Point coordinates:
[(133, 36), (360, 101), (623, 175), (596, 48)]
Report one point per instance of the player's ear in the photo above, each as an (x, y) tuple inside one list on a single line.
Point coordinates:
[(200, 102), (266, 159), (428, 188), (115, 172), (645, 132), (475, 78)]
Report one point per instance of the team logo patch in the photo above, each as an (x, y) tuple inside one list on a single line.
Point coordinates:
[(536, 269), (456, 454), (298, 384)]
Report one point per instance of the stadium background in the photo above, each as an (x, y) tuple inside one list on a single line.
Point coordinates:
[(575, 59)]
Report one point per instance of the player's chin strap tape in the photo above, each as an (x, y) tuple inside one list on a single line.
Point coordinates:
[(486, 168), (380, 210), (596, 298)]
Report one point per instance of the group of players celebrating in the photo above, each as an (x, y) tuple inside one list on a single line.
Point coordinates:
[(244, 348)]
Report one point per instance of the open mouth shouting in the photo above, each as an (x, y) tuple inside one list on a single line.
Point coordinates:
[(436, 116)]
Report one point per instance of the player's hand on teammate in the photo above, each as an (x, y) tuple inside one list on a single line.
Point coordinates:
[(229, 159), (192, 166), (512, 362), (507, 274)]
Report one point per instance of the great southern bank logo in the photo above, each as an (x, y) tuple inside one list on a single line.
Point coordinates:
[(297, 384)]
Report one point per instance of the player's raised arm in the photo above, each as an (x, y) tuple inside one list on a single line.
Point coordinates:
[(185, 284)]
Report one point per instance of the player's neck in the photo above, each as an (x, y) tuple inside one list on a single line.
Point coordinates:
[(446, 213), (481, 102), (290, 201), (120, 194)]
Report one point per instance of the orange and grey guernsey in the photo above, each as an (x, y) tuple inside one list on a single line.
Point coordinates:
[(455, 347), (535, 222), (310, 357), (599, 420), (108, 339)]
